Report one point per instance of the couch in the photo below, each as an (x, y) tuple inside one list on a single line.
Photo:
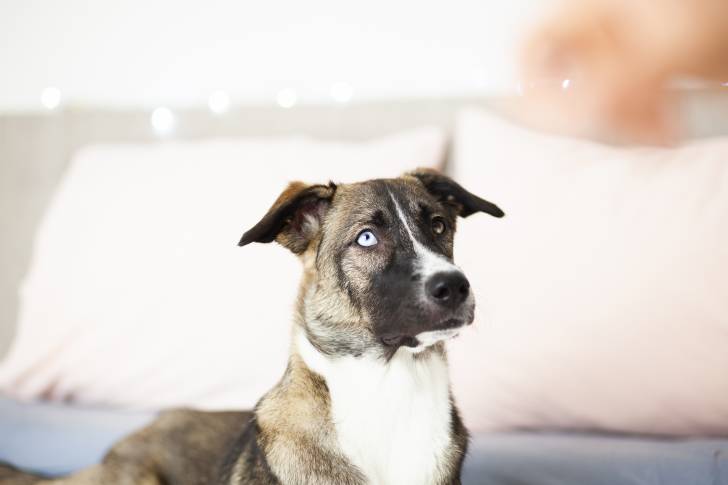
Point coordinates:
[(55, 438)]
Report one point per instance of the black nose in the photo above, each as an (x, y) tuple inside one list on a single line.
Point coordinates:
[(448, 289)]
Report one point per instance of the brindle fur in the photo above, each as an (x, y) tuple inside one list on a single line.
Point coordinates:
[(349, 300)]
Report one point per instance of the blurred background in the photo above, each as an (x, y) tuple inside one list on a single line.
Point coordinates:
[(139, 140), (177, 53)]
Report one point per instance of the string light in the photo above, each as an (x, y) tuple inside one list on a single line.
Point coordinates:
[(286, 98), (50, 98), (219, 102), (162, 120)]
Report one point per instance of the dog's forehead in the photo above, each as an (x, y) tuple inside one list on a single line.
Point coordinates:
[(382, 195)]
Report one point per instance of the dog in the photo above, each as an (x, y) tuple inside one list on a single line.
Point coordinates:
[(365, 398)]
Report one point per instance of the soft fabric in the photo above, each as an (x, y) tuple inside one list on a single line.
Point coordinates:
[(57, 439), (603, 294), (138, 294), (576, 459)]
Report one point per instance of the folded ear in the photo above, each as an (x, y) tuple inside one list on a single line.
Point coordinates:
[(295, 217), (450, 192)]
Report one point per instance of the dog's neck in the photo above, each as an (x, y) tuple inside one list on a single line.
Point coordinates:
[(393, 418)]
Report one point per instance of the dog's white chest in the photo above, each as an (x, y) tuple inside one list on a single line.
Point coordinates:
[(392, 420)]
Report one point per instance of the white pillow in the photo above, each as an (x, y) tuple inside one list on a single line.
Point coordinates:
[(603, 293), (138, 294)]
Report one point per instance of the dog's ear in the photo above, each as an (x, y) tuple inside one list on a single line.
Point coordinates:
[(450, 192), (295, 217)]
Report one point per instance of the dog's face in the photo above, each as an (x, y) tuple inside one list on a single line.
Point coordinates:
[(378, 258)]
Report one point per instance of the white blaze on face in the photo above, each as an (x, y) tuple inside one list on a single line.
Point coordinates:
[(428, 261), (428, 264)]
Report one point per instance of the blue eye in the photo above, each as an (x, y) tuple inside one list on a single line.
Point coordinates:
[(366, 239)]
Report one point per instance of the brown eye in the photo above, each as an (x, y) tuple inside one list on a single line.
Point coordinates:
[(438, 225)]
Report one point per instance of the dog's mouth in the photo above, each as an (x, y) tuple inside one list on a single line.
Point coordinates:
[(445, 330)]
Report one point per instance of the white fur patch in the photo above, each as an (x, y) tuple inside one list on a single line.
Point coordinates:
[(429, 262), (427, 339), (392, 418)]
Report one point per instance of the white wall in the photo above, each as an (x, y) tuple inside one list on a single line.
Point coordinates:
[(175, 52)]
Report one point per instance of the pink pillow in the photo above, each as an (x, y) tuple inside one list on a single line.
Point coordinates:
[(138, 294), (603, 293)]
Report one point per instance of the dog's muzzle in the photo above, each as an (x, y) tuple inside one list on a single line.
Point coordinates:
[(448, 305)]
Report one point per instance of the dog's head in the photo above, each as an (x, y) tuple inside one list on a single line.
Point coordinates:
[(378, 259)]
